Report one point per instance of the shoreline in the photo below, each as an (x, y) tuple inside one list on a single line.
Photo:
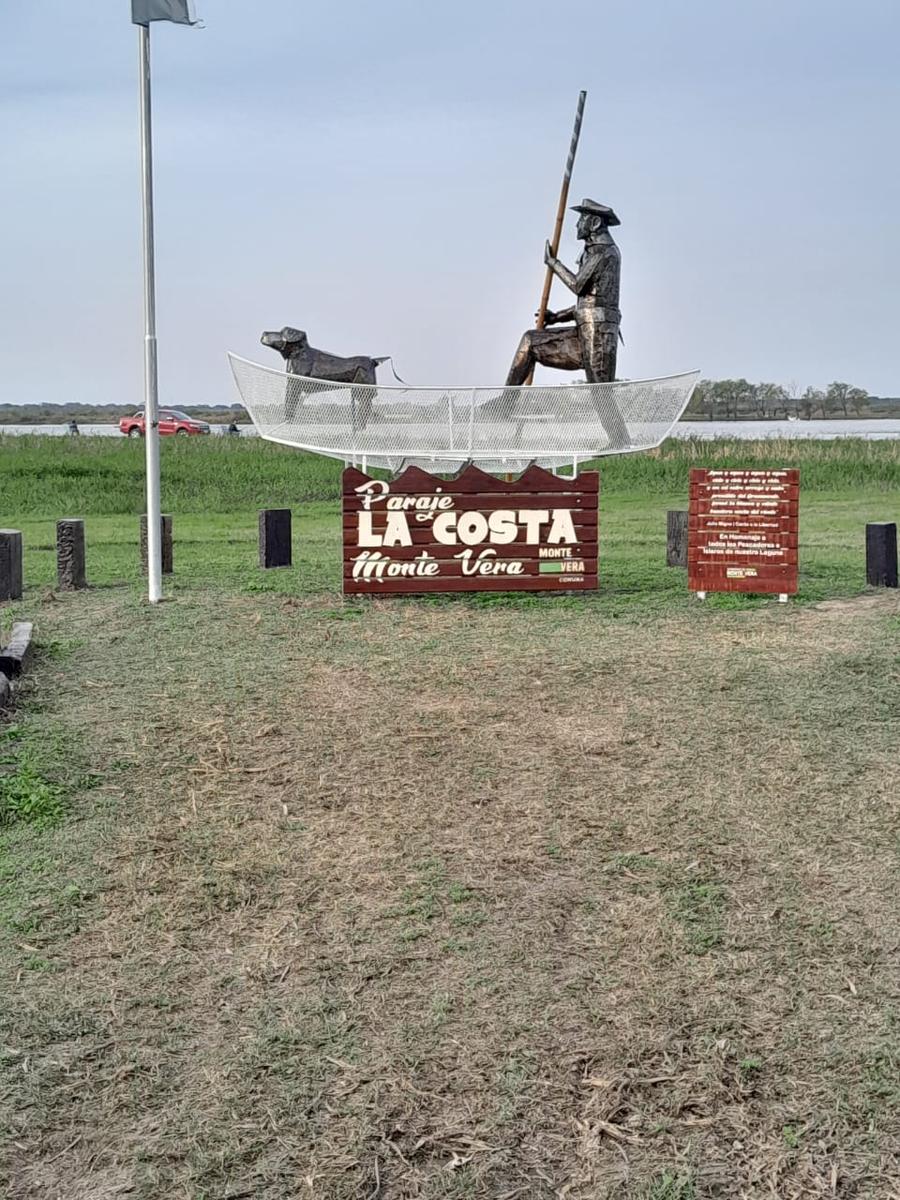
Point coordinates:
[(866, 429)]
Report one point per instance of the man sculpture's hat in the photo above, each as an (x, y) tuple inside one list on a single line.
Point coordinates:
[(597, 210)]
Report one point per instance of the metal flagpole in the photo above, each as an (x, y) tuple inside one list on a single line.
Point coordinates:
[(560, 216), (151, 392)]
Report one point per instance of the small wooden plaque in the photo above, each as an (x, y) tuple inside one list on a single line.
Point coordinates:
[(743, 529)]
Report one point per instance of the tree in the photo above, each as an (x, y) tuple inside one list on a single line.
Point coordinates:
[(792, 399), (709, 398), (858, 399), (841, 397), (706, 399), (811, 400), (726, 398), (771, 398), (734, 397)]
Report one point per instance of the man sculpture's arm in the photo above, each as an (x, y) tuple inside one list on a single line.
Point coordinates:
[(580, 283), (555, 318)]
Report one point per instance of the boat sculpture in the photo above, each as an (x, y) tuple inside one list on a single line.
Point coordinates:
[(334, 406), (500, 429)]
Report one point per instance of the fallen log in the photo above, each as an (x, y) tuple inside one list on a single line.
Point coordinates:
[(15, 653)]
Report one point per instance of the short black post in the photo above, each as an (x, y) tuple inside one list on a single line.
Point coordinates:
[(275, 537), (676, 538), (10, 564), (881, 554), (70, 574), (166, 534)]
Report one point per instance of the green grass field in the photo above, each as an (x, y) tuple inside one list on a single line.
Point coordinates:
[(456, 899), (214, 488)]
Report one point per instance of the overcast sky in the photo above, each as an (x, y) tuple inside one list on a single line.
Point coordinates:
[(384, 175)]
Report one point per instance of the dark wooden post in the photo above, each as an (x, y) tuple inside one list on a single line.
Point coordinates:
[(275, 537), (14, 654), (166, 534), (10, 564), (881, 554), (70, 575), (676, 538)]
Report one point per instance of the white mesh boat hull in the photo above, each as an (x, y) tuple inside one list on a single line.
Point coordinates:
[(440, 429)]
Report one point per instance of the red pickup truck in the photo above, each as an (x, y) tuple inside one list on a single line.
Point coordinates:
[(170, 421)]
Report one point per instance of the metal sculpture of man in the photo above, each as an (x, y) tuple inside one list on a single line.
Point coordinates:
[(591, 343)]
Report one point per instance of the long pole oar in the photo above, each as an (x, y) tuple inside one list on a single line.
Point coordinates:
[(560, 216)]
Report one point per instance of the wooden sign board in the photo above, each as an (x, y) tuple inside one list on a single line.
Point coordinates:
[(474, 533), (743, 531)]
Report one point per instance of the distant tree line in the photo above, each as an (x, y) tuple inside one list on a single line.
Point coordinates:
[(740, 400), (109, 414), (713, 400)]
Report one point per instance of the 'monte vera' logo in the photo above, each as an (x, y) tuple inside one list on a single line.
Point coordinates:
[(420, 533)]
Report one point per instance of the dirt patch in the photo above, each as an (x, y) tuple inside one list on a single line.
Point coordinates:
[(884, 602)]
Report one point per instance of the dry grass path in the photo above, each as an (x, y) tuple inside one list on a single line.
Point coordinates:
[(452, 901)]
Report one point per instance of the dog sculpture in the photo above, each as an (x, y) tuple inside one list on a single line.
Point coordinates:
[(303, 359)]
